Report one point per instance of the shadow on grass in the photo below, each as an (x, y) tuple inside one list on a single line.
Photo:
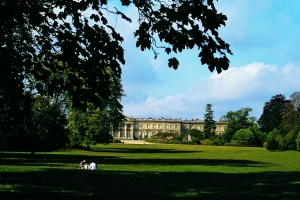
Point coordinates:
[(51, 160), (141, 150), (78, 184)]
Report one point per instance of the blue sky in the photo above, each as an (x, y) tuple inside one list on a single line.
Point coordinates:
[(265, 39)]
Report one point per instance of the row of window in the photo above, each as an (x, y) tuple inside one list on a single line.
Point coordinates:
[(160, 126), (219, 128)]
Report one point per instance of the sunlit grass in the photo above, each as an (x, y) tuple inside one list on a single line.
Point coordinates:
[(153, 171)]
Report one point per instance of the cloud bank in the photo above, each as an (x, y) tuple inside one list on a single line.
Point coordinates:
[(246, 86)]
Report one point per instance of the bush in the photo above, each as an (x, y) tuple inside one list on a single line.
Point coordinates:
[(274, 140), (243, 137), (116, 140), (298, 141), (207, 142), (196, 134), (219, 141), (289, 141), (195, 141), (260, 138)]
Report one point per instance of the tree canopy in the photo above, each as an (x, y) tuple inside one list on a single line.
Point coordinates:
[(56, 47), (63, 48), (273, 111), (237, 120), (209, 129)]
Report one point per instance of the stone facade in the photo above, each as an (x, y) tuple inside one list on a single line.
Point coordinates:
[(146, 127)]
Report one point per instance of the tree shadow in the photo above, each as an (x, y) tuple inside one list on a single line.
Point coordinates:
[(78, 184), (140, 150), (51, 160)]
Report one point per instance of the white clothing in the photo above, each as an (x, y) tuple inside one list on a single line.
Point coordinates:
[(93, 166)]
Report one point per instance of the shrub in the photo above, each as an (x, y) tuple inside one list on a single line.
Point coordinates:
[(177, 137), (195, 141), (260, 138), (207, 142), (116, 140), (265, 144), (243, 137), (219, 141), (274, 140), (298, 141), (195, 133), (289, 141)]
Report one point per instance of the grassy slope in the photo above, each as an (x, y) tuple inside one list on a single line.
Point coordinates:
[(155, 171)]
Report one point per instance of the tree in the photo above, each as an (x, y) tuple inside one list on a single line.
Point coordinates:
[(195, 133), (56, 47), (41, 127), (291, 116), (273, 110), (237, 120), (49, 31), (209, 129), (90, 128)]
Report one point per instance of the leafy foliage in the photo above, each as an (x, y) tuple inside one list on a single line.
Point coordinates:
[(291, 115), (237, 120), (195, 133), (289, 139), (209, 129), (65, 47), (183, 25), (274, 140), (43, 126), (42, 33), (219, 140), (243, 137), (298, 141), (273, 110), (92, 127)]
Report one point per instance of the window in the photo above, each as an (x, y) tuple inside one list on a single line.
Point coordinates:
[(148, 125), (159, 126), (196, 127), (171, 126), (154, 126), (220, 128), (167, 126), (176, 126), (201, 128), (142, 125), (136, 125)]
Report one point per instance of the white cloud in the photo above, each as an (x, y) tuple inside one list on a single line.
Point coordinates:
[(247, 86)]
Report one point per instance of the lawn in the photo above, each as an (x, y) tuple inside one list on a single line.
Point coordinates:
[(154, 171)]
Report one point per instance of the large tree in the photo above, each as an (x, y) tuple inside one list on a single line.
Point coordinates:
[(273, 111), (209, 129), (42, 125), (237, 120), (65, 46), (35, 33)]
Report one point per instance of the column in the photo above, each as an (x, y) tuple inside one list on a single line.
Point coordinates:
[(131, 132)]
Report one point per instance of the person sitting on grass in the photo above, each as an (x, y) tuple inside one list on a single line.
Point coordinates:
[(81, 165), (93, 166)]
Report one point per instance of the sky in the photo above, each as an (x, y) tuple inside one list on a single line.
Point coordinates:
[(264, 37)]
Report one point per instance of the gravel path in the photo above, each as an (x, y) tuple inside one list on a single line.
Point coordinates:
[(136, 142)]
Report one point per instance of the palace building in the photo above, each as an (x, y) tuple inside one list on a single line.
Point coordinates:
[(133, 128)]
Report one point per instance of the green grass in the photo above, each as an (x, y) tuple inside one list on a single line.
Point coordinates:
[(155, 171)]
